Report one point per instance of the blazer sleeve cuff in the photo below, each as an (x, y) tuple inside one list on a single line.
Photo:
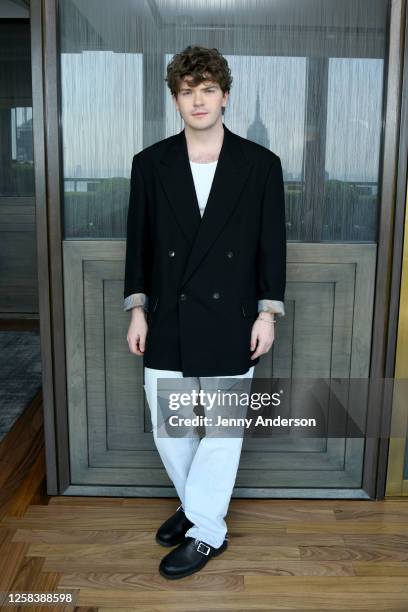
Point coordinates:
[(134, 300), (272, 306)]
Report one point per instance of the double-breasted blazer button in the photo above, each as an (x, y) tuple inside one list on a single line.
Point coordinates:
[(172, 253), (216, 295), (230, 254), (183, 296)]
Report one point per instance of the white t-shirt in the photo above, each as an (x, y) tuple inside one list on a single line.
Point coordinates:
[(203, 175)]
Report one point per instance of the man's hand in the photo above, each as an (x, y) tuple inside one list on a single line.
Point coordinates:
[(137, 331), (262, 335)]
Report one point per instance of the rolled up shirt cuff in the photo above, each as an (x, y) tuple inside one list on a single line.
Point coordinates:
[(141, 299), (135, 300), (272, 306)]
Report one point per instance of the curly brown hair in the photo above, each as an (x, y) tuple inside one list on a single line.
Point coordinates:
[(200, 64)]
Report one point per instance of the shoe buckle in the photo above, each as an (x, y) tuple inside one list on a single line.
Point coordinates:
[(202, 551)]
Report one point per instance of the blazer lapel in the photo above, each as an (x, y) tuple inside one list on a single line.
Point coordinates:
[(177, 180), (231, 173)]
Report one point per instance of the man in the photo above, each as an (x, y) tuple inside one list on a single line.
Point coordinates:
[(206, 264)]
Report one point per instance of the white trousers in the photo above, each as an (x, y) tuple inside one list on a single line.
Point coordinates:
[(204, 470)]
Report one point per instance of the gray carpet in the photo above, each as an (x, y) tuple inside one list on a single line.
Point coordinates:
[(20, 374)]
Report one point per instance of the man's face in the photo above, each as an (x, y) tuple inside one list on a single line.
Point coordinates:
[(200, 106)]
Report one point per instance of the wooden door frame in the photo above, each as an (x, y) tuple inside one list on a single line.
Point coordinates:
[(401, 201), (47, 142), (49, 202)]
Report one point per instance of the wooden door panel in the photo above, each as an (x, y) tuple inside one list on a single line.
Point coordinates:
[(325, 335)]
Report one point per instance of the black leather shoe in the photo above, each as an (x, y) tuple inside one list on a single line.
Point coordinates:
[(173, 530), (188, 557)]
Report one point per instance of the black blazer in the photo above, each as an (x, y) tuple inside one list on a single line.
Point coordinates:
[(204, 276)]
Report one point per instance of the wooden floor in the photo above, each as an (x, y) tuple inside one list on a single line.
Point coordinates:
[(283, 554)]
